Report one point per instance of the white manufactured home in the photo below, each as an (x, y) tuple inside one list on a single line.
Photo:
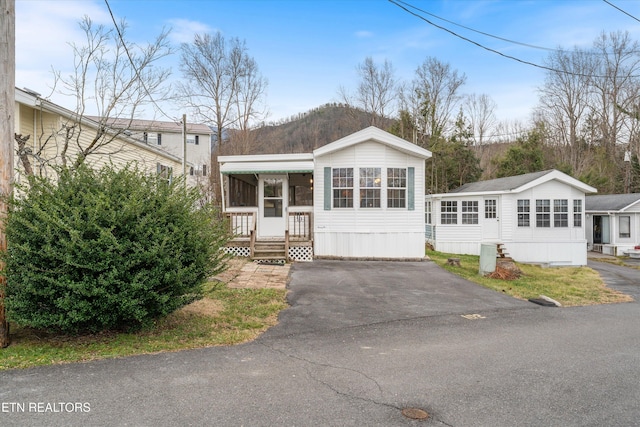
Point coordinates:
[(537, 218), (360, 197), (613, 223)]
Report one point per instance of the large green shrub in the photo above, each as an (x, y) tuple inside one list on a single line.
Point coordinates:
[(108, 249)]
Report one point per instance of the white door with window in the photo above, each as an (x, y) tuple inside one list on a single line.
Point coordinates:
[(272, 205), (491, 221)]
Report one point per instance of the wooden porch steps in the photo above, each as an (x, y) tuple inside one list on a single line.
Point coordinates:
[(502, 251), (269, 250)]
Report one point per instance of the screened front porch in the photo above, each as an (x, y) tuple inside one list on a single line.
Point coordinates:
[(269, 206)]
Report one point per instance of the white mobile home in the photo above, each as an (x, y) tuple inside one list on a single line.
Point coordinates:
[(538, 217), (359, 197), (613, 223)]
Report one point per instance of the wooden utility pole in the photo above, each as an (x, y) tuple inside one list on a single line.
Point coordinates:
[(184, 148), (7, 117)]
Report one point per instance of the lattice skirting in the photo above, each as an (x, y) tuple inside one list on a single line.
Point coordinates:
[(238, 251), (301, 253)]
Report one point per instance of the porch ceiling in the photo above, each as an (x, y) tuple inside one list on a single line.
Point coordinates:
[(266, 167)]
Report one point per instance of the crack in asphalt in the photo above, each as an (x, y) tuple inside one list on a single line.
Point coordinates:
[(342, 393), (325, 383)]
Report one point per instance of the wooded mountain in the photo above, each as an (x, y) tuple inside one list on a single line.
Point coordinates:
[(307, 131)]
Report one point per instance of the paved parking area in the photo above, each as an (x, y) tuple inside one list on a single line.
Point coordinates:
[(327, 294)]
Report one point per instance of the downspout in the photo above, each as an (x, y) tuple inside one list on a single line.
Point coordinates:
[(222, 193)]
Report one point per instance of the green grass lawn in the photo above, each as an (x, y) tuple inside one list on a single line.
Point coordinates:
[(225, 316), (570, 286)]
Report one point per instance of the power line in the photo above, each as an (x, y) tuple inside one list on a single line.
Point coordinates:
[(481, 32), (126, 49), (623, 11), (522, 61)]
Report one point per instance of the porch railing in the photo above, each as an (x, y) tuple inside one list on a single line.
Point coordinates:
[(300, 225), (241, 224)]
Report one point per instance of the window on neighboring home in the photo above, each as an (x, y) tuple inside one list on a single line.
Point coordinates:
[(523, 213), (159, 139), (342, 187), (577, 213), (427, 212), (469, 212), (191, 170), (561, 213), (370, 183), (449, 212), (197, 139), (204, 170), (164, 171), (624, 226), (543, 213), (191, 139), (490, 209), (396, 187)]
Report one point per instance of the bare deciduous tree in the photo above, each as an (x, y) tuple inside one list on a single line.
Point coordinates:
[(480, 110), (376, 90), (435, 93), (224, 88), (115, 80)]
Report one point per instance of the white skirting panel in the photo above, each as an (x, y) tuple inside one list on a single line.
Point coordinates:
[(369, 245), (570, 253)]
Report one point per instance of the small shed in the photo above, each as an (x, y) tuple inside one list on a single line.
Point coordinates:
[(535, 218), (613, 223)]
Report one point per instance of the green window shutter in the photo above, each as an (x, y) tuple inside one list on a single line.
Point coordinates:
[(411, 190), (327, 189)]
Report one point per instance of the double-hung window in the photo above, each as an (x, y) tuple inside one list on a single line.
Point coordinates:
[(561, 213), (624, 223), (343, 187), (577, 213), (469, 212), (543, 213), (396, 187), (370, 184), (449, 212), (523, 213)]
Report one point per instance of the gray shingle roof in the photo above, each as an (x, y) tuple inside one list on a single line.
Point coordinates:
[(610, 202), (501, 184)]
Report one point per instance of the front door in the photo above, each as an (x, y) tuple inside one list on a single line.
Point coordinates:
[(272, 205), (491, 222), (601, 230)]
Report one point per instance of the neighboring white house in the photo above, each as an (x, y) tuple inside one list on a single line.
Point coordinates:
[(613, 223), (359, 197), (169, 137), (538, 217)]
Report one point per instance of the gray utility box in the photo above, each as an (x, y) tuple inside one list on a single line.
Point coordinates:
[(488, 255)]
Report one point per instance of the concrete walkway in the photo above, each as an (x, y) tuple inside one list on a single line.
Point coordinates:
[(243, 273)]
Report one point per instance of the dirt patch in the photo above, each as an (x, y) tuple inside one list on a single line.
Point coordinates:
[(234, 268), (205, 306)]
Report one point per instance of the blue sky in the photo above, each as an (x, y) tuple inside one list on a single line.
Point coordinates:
[(308, 49)]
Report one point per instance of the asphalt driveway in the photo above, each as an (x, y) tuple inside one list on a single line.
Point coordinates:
[(328, 294), (625, 279)]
